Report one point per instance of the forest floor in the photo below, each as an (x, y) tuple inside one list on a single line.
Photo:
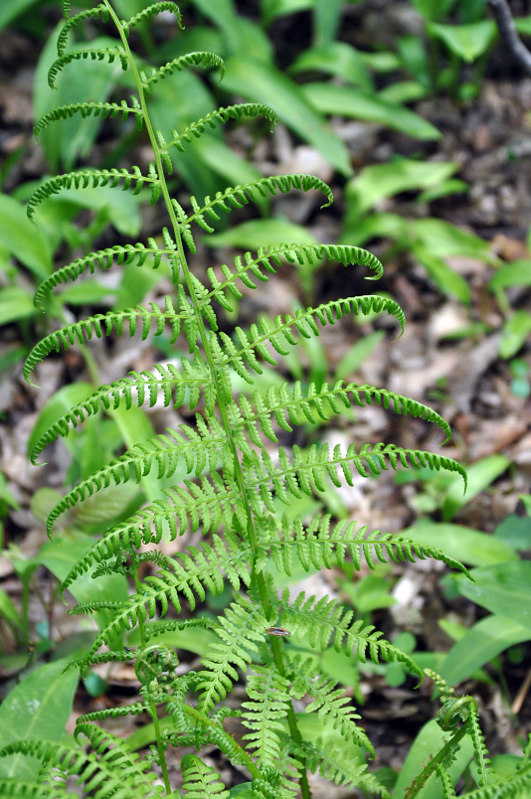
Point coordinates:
[(464, 379)]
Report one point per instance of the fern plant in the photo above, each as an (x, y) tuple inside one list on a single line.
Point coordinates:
[(232, 491)]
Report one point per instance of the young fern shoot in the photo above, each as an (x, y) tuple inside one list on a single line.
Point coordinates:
[(232, 491)]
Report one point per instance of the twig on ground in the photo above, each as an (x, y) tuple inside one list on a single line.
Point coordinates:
[(505, 22)]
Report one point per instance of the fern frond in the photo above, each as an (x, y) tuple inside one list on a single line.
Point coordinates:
[(240, 629), (456, 711), (103, 324), (108, 770), (332, 764), (142, 389), (318, 546), (329, 702), (135, 709), (294, 405), (111, 656), (99, 11), (197, 128), (201, 781), (87, 109), (270, 258), (16, 788), (109, 54), (209, 502), (241, 353), (309, 470), (198, 451), (196, 571), (239, 196), (92, 178), (446, 782), (326, 622), (152, 11), (517, 786), (264, 715), (478, 742), (202, 59), (121, 254)]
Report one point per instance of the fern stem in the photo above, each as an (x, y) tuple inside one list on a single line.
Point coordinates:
[(152, 705), (439, 758), (277, 647), (224, 415)]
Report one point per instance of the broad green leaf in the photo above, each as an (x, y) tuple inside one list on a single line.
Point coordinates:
[(505, 766), (340, 667), (8, 610), (129, 8), (517, 273), (385, 225), (355, 356), (271, 9), (261, 233), (61, 554), (22, 238), (515, 333), (11, 9), (452, 186), (466, 41), (480, 475), (327, 18), (109, 506), (136, 283), (486, 639), (222, 13), (404, 91), (121, 207), (426, 745), (193, 639), (433, 9), (86, 292), (15, 303), (265, 84), (38, 707), (81, 80), (462, 543), (503, 589), (242, 791), (337, 58), (377, 182), (135, 427), (515, 531), (56, 406), (523, 25), (226, 163), (146, 735), (470, 10), (241, 35), (445, 278), (444, 239), (347, 101), (414, 60)]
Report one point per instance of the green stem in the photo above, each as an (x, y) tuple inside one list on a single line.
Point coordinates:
[(152, 705), (440, 757), (223, 411)]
